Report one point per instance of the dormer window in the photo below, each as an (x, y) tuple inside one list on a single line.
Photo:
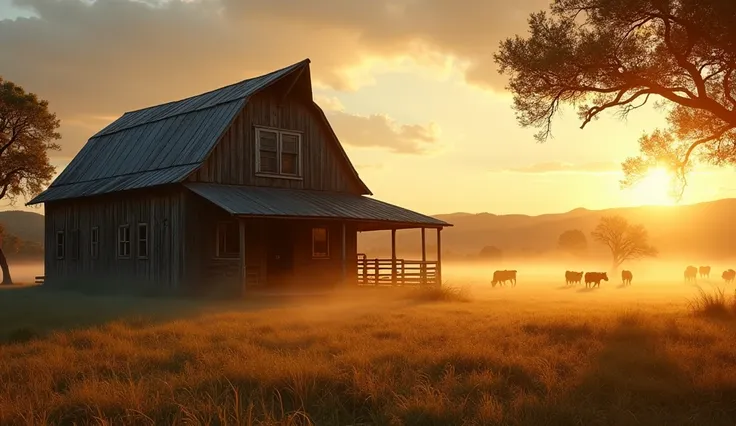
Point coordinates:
[(278, 153)]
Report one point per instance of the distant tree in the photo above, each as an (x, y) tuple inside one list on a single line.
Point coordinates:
[(27, 133), (573, 241), (626, 241), (490, 252), (616, 55)]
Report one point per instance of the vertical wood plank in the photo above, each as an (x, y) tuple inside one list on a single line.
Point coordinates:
[(424, 259), (243, 264), (439, 257), (393, 257)]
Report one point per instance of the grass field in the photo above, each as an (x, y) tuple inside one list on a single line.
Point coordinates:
[(537, 354)]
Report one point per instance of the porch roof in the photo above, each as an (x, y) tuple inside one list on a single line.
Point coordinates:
[(309, 204)]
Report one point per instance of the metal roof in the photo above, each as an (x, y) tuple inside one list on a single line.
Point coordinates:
[(117, 183), (153, 146), (293, 203)]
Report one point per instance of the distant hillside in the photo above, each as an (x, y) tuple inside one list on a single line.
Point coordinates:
[(28, 226), (707, 230)]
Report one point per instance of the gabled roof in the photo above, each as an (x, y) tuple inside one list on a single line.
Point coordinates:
[(257, 201), (162, 144)]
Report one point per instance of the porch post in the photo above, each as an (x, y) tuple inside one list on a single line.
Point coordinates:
[(344, 255), (243, 267), (424, 260), (393, 257), (439, 257)]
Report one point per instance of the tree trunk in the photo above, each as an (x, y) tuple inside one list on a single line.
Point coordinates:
[(6, 270)]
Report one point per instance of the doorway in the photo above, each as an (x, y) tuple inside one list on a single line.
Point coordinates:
[(280, 252)]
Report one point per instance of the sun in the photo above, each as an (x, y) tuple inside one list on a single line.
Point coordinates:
[(654, 188)]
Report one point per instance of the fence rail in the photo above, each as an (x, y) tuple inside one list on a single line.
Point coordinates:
[(402, 272)]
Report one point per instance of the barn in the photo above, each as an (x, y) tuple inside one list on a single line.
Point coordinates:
[(241, 188)]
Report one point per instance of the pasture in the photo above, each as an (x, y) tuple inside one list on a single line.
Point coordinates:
[(541, 353)]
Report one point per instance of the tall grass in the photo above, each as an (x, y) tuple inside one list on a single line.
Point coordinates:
[(480, 362), (715, 304)]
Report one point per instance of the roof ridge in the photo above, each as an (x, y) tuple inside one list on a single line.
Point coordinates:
[(103, 131), (219, 88)]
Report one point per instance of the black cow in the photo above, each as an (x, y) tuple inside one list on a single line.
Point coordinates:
[(704, 271), (691, 274), (500, 277), (594, 278), (572, 277), (626, 277)]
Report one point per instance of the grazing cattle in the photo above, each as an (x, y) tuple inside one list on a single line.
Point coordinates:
[(704, 271), (691, 273), (594, 278), (626, 277), (729, 276), (572, 277), (503, 276)]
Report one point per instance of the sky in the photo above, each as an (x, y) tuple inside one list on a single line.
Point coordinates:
[(409, 86)]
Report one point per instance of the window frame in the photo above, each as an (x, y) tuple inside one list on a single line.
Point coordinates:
[(316, 255), (138, 241), (279, 151), (120, 242), (225, 254), (94, 242), (61, 245)]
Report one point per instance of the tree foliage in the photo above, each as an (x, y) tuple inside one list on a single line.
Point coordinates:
[(625, 240), (27, 132), (616, 55), (491, 252), (573, 241)]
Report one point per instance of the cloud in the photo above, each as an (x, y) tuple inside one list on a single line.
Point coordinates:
[(103, 58), (558, 167), (380, 131), (329, 103)]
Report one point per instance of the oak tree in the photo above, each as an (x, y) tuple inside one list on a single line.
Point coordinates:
[(28, 131), (625, 240), (573, 241), (617, 55)]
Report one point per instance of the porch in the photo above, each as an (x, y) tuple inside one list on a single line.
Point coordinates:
[(300, 240)]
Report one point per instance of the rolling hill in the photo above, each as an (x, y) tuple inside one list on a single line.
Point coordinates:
[(704, 229), (707, 230)]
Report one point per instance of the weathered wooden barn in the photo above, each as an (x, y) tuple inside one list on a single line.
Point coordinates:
[(243, 187)]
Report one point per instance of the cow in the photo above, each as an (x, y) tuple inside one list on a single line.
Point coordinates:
[(626, 277), (691, 274), (500, 277), (729, 276), (572, 277), (594, 278), (704, 271)]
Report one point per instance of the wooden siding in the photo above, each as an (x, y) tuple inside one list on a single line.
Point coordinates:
[(159, 273), (207, 274), (233, 159)]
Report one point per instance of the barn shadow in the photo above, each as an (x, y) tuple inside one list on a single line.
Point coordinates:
[(35, 311), (635, 382)]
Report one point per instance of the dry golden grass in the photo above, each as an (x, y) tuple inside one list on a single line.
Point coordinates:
[(383, 357)]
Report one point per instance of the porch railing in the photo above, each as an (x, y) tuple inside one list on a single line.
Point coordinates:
[(406, 272)]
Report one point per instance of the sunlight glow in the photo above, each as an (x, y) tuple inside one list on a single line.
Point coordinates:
[(654, 188)]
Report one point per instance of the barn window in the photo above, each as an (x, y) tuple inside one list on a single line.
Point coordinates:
[(279, 153), (228, 239), (60, 244), (94, 242), (320, 243), (142, 240), (124, 241)]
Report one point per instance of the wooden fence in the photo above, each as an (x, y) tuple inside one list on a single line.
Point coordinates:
[(402, 272)]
